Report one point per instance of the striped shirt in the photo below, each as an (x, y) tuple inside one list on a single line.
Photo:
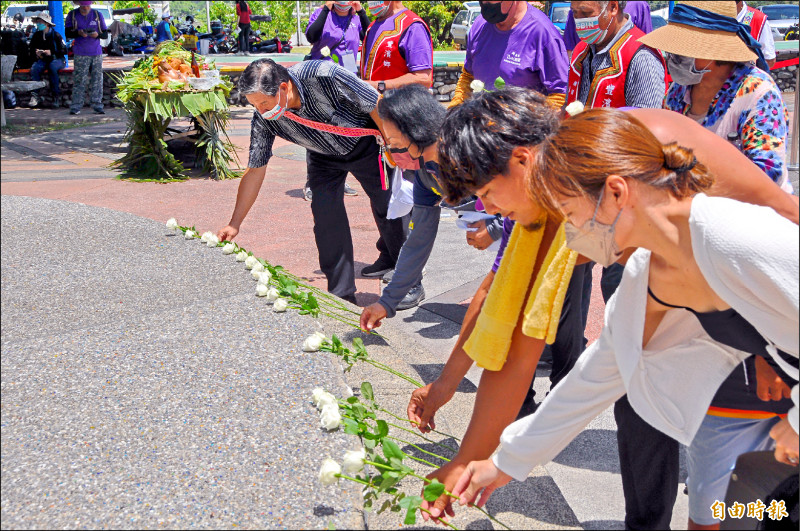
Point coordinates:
[(644, 82), (328, 94)]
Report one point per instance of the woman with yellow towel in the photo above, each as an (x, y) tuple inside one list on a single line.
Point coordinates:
[(712, 282), (473, 163)]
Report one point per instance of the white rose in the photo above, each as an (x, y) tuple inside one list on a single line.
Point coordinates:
[(280, 305), (477, 85), (574, 108), (330, 418), (189, 234), (353, 461), (206, 235), (326, 399), (261, 290), (241, 256), (172, 223), (264, 277), (212, 241), (328, 472), (312, 343), (255, 274), (250, 262), (273, 294), (258, 267), (228, 248), (325, 52), (316, 394)]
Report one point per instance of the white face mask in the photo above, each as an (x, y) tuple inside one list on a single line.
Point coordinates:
[(593, 239), (277, 111), (684, 70)]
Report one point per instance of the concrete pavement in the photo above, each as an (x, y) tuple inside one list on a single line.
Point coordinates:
[(177, 303)]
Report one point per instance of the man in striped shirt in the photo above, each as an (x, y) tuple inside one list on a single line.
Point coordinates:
[(321, 92)]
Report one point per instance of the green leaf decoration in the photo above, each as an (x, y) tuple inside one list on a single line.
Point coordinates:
[(366, 390), (433, 490)]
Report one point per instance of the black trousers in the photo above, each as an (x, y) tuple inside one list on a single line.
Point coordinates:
[(649, 460), (244, 37), (326, 176)]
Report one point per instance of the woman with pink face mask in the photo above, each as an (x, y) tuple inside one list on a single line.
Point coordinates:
[(335, 32)]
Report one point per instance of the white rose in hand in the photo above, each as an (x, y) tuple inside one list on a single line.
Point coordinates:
[(574, 108), (329, 471), (189, 234), (261, 290), (264, 277), (325, 51), (250, 262), (241, 256), (330, 418), (280, 305), (354, 461), (228, 248), (172, 223)]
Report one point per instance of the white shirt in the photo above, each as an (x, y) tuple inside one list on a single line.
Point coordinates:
[(750, 256), (766, 39)]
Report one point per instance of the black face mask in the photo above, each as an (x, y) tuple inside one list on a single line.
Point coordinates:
[(493, 13)]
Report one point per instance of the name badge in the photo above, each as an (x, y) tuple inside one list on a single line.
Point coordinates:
[(349, 61)]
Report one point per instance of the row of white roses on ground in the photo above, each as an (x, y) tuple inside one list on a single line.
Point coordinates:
[(381, 452), (275, 283)]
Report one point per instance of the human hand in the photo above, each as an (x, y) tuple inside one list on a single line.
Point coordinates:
[(371, 316), (38, 53), (357, 6), (480, 239), (228, 233), (786, 442), (46, 52), (329, 5), (82, 33), (94, 35), (479, 477), (424, 404), (769, 385), (443, 506)]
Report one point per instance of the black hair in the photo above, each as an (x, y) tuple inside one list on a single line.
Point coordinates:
[(263, 75), (478, 137), (415, 112)]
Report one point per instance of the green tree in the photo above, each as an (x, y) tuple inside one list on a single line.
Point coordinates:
[(149, 13), (438, 15)]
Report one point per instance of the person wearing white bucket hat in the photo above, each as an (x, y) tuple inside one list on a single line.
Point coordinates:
[(47, 53), (710, 57)]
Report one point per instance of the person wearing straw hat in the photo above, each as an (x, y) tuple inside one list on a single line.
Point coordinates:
[(47, 53), (710, 57)]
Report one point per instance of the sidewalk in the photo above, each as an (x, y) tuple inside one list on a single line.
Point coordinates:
[(71, 166)]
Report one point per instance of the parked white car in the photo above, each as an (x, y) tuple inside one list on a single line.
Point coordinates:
[(462, 22), (781, 17)]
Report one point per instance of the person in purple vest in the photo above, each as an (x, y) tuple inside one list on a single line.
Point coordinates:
[(638, 11), (87, 27), (340, 27)]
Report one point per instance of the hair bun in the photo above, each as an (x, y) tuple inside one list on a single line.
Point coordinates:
[(678, 158)]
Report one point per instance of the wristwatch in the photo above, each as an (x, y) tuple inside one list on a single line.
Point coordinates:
[(381, 86)]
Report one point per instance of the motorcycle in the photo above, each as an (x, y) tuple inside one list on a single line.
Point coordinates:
[(273, 45), (792, 33)]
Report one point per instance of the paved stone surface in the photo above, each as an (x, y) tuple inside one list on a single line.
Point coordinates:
[(191, 289), (144, 386)]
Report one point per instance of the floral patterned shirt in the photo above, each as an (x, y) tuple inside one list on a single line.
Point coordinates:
[(749, 104)]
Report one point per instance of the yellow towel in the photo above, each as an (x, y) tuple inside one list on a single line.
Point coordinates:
[(490, 341)]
